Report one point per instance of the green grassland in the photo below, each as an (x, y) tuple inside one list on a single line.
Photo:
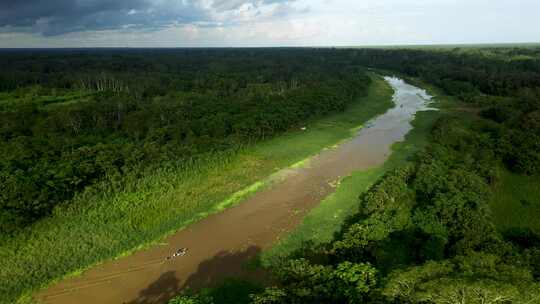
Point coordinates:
[(516, 202), (40, 97), (109, 224)]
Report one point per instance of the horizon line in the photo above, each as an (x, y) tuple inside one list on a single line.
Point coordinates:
[(410, 45)]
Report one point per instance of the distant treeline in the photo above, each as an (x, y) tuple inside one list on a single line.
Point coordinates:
[(160, 71), (69, 119), (497, 71), (459, 73)]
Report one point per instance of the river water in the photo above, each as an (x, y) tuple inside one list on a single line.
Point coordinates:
[(219, 245)]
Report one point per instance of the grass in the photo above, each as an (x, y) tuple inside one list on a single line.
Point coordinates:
[(294, 147), (40, 99), (110, 224), (516, 202)]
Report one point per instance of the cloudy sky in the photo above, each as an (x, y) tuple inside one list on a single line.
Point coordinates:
[(211, 23)]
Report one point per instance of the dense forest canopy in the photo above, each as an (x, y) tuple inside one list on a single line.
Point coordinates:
[(70, 119)]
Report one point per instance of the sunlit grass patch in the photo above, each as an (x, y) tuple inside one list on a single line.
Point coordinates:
[(516, 202), (41, 99)]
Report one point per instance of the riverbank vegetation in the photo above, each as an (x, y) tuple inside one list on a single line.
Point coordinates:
[(89, 173), (454, 224)]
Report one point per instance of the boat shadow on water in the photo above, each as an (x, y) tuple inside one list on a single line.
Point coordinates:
[(211, 272)]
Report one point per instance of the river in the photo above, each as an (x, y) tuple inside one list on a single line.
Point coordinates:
[(219, 245)]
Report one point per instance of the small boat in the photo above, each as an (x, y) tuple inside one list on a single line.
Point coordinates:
[(180, 252)]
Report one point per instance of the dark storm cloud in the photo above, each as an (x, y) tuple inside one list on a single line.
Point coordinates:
[(58, 16), (54, 17)]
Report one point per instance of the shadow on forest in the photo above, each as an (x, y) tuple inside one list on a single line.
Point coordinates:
[(211, 272)]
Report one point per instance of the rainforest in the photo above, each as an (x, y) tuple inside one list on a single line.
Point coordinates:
[(270, 175)]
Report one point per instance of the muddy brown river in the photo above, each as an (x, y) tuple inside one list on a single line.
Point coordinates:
[(219, 245)]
